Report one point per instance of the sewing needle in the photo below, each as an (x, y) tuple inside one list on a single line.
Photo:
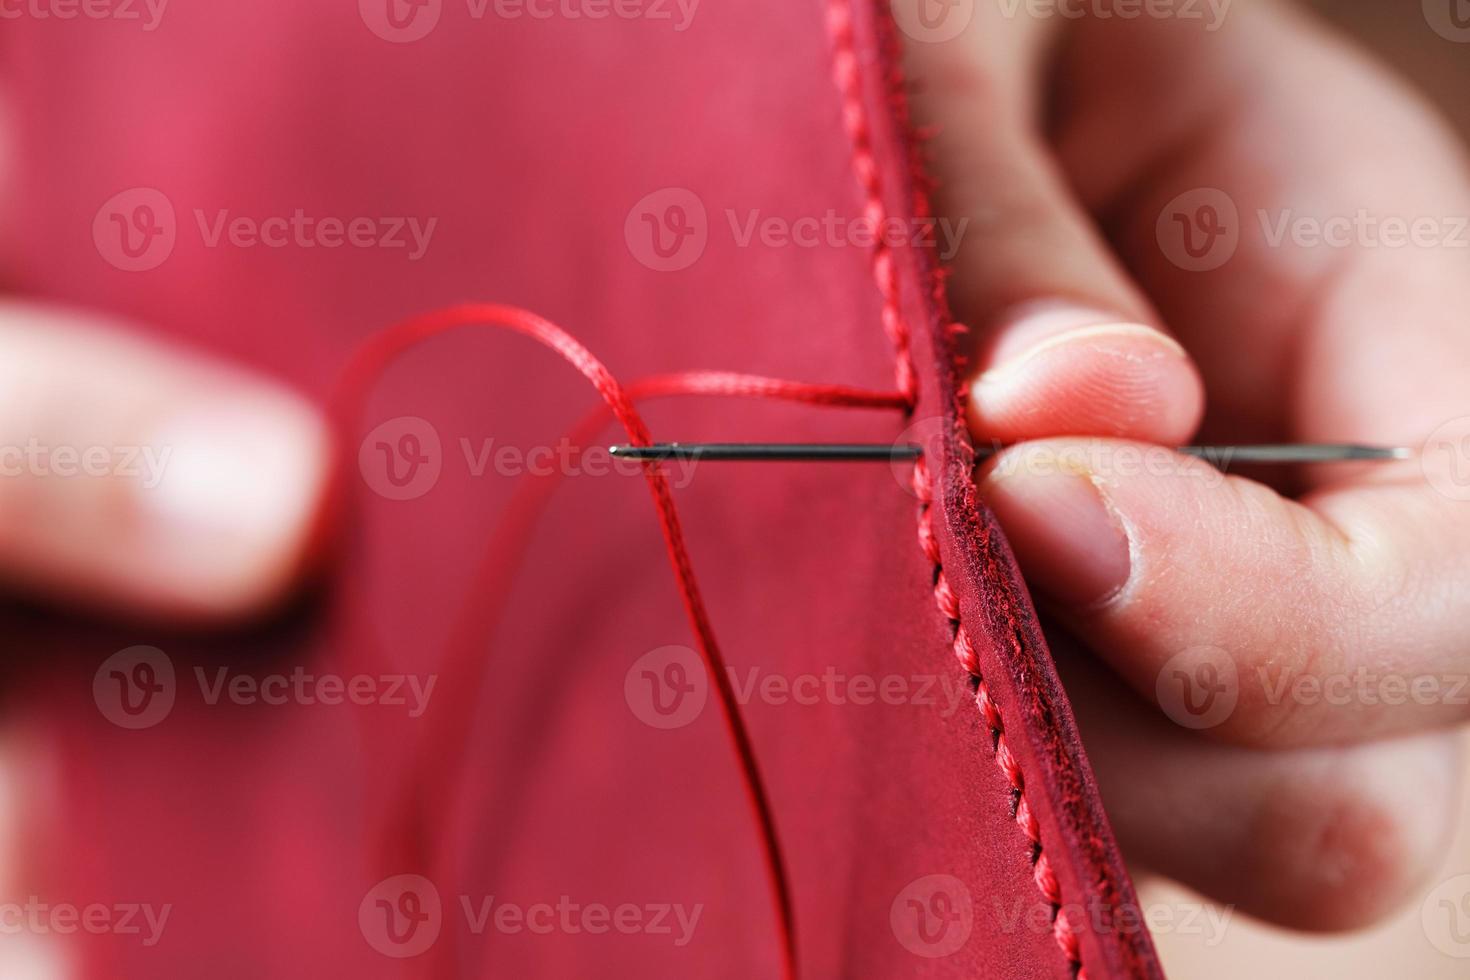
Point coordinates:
[(862, 452)]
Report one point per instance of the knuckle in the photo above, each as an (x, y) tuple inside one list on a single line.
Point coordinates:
[(1340, 849)]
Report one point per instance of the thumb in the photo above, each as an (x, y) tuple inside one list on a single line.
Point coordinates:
[(1064, 342), (140, 478)]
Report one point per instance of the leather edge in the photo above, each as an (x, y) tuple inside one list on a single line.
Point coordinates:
[(1094, 884)]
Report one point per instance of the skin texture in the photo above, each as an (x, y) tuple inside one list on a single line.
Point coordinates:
[(1065, 141)]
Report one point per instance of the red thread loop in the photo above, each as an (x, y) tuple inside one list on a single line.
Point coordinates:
[(374, 356)]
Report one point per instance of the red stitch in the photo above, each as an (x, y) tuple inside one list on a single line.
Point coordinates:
[(965, 653), (865, 167), (927, 541), (948, 604)]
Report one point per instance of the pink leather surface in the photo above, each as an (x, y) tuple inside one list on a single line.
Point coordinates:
[(531, 141)]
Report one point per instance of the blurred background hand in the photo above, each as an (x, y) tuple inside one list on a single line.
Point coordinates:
[(146, 480)]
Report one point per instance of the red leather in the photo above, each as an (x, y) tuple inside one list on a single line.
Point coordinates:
[(531, 141)]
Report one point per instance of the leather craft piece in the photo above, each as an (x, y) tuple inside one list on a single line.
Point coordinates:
[(549, 153)]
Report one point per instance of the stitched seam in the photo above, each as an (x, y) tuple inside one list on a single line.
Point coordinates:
[(865, 168), (1009, 765)]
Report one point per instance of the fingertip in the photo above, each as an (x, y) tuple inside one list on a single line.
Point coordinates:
[(238, 507), (1078, 372), (1067, 539), (147, 480)]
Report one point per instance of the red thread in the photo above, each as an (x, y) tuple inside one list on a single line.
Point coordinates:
[(373, 357), (434, 778), (1005, 760), (441, 757), (865, 167)]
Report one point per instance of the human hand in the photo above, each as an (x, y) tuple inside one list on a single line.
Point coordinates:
[(1083, 152), (148, 481)]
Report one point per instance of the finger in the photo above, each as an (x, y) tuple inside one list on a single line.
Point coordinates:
[(141, 478), (1308, 838), (1335, 619), (1064, 342), (1197, 144)]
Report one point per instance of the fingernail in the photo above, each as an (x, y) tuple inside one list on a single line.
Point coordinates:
[(1039, 332), (236, 484), (1067, 539)]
